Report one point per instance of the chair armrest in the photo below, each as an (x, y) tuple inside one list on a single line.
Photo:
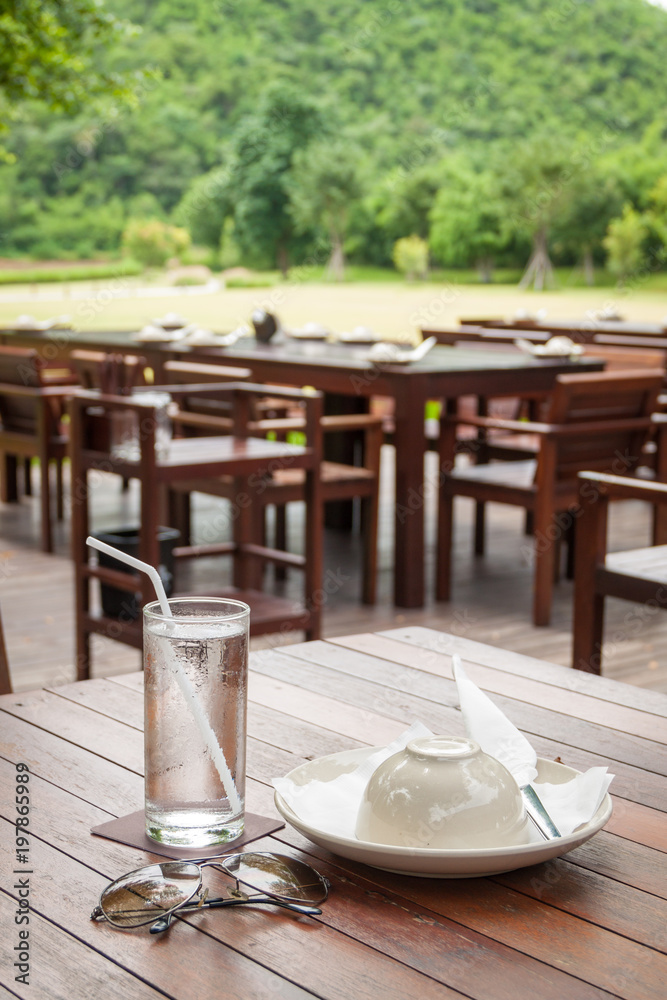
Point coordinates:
[(351, 422), (622, 487), (498, 423), (35, 391), (555, 430)]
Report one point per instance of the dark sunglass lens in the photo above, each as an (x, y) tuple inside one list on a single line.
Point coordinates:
[(149, 893), (278, 875)]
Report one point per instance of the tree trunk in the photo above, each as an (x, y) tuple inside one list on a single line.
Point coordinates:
[(283, 259), (335, 270), (589, 268), (485, 269), (539, 272)]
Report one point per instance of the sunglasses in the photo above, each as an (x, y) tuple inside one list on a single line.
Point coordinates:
[(153, 894)]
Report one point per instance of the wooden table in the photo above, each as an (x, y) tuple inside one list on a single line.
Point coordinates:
[(445, 373), (343, 370), (591, 924), (574, 326)]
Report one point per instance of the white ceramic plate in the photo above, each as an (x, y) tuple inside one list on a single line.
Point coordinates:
[(557, 347), (425, 861), (305, 334)]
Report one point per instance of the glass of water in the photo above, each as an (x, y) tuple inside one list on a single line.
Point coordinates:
[(195, 696)]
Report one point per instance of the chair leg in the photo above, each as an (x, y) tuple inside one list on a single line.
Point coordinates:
[(587, 631), (369, 535), (588, 617), (8, 487), (27, 478), (280, 572), (444, 547), (45, 504), (179, 513), (545, 557), (570, 536), (480, 532), (59, 489)]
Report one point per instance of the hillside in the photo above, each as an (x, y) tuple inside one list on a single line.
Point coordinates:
[(411, 83)]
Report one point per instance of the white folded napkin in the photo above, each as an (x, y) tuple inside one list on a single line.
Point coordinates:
[(569, 804), (26, 322), (555, 347), (332, 806)]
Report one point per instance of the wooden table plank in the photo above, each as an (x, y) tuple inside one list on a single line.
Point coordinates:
[(168, 963), (360, 700), (602, 688), (49, 977), (561, 940), (113, 788), (587, 926), (495, 680)]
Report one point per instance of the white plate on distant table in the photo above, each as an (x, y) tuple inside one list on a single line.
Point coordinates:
[(307, 332), (557, 347), (360, 335), (426, 861), (156, 335)]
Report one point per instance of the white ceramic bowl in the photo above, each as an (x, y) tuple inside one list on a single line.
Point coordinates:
[(443, 793)]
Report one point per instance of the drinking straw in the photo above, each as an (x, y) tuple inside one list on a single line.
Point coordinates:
[(184, 683)]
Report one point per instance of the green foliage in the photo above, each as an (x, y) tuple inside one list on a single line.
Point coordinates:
[(204, 207), (48, 54), (410, 256), (323, 183), (467, 221), (27, 276), (624, 243), (263, 150), (152, 242), (205, 119)]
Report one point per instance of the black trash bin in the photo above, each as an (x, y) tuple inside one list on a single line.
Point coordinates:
[(122, 603)]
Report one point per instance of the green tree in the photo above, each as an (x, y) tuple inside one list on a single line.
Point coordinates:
[(323, 184), (264, 147), (467, 222), (535, 184), (580, 227), (410, 256), (205, 206), (624, 243), (48, 54), (153, 242)]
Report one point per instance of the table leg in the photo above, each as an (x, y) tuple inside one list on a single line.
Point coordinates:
[(409, 443), (342, 448)]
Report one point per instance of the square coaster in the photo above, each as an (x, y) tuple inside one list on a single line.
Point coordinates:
[(130, 830)]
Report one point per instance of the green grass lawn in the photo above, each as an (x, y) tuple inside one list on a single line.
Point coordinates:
[(382, 301)]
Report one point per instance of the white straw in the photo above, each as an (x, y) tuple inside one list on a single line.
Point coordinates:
[(184, 682)]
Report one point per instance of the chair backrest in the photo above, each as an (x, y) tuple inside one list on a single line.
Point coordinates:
[(111, 373), (19, 366), (617, 407)]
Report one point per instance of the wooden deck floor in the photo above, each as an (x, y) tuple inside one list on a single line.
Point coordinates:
[(491, 601)]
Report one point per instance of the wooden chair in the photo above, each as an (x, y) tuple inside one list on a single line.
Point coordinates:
[(113, 373), (245, 458), (599, 421), (31, 412), (5, 678), (286, 485), (639, 575)]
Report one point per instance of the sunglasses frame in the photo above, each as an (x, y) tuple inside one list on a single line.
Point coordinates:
[(160, 922)]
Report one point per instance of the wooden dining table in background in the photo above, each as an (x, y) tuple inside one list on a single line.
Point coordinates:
[(590, 924), (344, 370), (446, 373)]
